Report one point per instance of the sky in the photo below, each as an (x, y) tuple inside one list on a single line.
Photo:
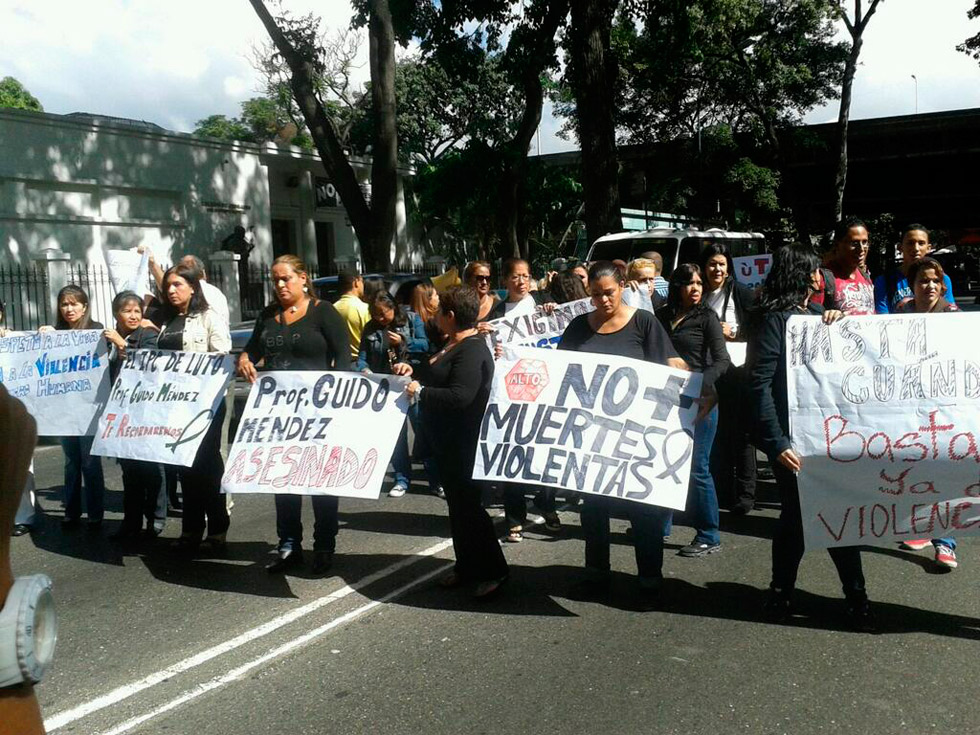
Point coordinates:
[(176, 62)]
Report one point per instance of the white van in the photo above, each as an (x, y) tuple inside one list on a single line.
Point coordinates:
[(674, 246)]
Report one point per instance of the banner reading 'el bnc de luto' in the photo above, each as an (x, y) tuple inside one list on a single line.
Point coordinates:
[(596, 424), (60, 376), (317, 433), (161, 405), (885, 413)]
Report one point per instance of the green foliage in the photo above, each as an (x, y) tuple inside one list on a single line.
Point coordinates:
[(971, 45), (262, 120), (13, 94)]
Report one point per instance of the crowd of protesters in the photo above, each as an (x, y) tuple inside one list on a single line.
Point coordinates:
[(438, 340)]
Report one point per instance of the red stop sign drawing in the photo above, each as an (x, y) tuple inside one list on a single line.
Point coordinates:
[(526, 380)]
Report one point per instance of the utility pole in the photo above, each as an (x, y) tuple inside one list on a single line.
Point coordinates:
[(916, 80)]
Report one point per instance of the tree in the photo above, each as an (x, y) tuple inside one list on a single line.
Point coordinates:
[(856, 26), (297, 42), (262, 120), (13, 94), (971, 45)]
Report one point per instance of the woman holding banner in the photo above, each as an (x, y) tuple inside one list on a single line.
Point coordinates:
[(190, 325), (144, 487), (298, 332), (453, 393), (73, 313), (929, 284), (786, 292), (697, 336), (732, 457), (394, 335), (617, 329)]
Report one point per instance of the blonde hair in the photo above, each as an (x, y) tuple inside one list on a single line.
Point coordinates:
[(421, 301), (633, 272)]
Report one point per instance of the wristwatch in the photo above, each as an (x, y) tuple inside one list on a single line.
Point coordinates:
[(28, 631)]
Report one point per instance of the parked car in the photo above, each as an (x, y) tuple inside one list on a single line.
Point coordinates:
[(674, 246)]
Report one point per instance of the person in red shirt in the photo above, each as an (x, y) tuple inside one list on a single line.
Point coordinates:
[(854, 291)]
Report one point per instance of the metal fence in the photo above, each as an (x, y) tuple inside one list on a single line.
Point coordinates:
[(95, 281), (24, 297)]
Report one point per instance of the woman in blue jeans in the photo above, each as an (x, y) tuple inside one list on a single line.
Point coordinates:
[(696, 334), (80, 464)]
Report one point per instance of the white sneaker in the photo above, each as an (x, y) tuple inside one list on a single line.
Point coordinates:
[(397, 491), (945, 556)]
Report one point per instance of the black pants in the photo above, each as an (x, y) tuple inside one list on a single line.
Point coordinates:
[(478, 553), (648, 535), (787, 544), (515, 504), (289, 521), (733, 463), (204, 505), (142, 484)]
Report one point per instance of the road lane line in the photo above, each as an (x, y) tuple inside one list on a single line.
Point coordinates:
[(279, 651), (128, 690)]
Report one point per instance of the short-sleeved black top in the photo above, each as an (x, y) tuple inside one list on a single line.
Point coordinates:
[(317, 341), (642, 338)]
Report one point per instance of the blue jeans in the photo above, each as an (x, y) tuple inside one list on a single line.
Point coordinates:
[(401, 458), (79, 465), (702, 500), (289, 521)]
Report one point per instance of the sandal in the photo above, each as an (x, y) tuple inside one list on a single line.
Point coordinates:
[(489, 589), (516, 535), (552, 522)]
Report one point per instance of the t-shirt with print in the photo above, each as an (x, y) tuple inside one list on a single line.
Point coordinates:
[(855, 293)]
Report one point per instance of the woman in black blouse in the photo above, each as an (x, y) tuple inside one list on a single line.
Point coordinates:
[(453, 389), (696, 334), (298, 332), (617, 329)]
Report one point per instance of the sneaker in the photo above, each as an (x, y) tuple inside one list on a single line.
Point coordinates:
[(945, 556), (397, 490), (915, 545), (698, 548), (439, 492)]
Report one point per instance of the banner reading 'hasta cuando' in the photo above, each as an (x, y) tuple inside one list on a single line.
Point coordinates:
[(884, 414)]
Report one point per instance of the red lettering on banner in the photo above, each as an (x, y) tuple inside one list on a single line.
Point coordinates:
[(840, 434), (843, 524), (971, 448), (957, 523)]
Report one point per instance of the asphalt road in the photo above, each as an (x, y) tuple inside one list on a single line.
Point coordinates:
[(154, 643)]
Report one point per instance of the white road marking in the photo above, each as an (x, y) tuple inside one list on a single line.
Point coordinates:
[(285, 648), (128, 690)]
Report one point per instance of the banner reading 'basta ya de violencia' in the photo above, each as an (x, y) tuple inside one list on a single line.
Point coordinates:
[(884, 414), (598, 424), (317, 433)]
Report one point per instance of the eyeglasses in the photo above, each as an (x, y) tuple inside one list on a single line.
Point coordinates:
[(520, 277)]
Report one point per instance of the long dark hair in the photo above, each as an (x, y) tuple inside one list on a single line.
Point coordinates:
[(79, 295), (683, 275), (790, 279), (383, 298), (566, 286), (198, 304)]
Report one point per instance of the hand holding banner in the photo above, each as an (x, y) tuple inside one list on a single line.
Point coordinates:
[(313, 433), (592, 423), (883, 412), (60, 377), (161, 405)]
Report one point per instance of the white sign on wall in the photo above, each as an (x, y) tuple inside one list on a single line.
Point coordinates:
[(885, 413)]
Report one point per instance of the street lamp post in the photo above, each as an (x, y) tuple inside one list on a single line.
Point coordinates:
[(916, 80)]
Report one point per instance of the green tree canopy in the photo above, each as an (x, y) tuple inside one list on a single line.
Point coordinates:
[(14, 94)]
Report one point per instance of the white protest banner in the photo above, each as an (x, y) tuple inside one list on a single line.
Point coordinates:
[(59, 376), (597, 424), (885, 413), (639, 298), (128, 270), (752, 269), (317, 433), (537, 328), (161, 405)]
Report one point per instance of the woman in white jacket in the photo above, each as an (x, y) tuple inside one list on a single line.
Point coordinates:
[(191, 325)]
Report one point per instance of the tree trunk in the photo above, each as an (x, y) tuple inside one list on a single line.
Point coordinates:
[(843, 120), (384, 157), (373, 223), (594, 79)]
